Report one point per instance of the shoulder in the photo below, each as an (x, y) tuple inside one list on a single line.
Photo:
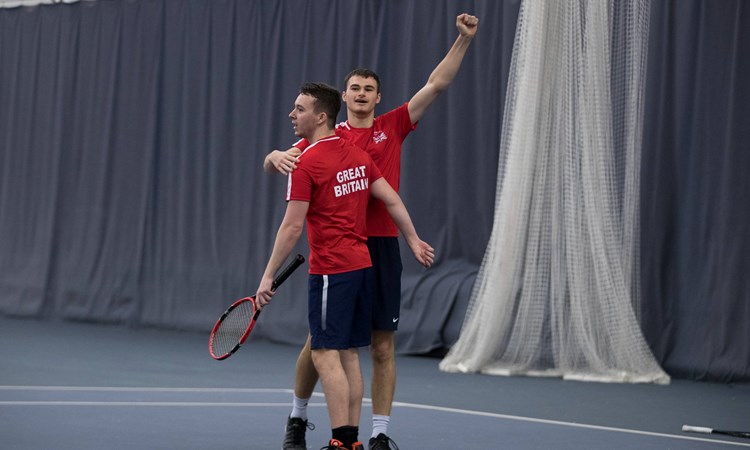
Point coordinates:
[(317, 149), (394, 114)]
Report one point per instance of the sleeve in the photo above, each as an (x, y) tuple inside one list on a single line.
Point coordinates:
[(299, 185), (399, 120), (374, 172), (302, 144)]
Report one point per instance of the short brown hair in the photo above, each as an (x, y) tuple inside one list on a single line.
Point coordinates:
[(364, 73), (327, 99)]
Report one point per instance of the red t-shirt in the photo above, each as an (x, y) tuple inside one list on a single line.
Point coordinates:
[(334, 176), (383, 143)]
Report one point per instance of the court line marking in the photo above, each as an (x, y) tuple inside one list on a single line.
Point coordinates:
[(110, 403), (142, 389), (366, 402), (561, 423)]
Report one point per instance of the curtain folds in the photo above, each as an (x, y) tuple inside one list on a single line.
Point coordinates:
[(132, 134)]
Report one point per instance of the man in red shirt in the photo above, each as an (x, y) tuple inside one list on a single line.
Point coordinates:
[(331, 190), (381, 137)]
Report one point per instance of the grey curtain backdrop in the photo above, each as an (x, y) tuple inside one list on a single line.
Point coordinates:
[(132, 135), (695, 189)]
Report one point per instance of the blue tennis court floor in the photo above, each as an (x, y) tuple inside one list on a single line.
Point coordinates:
[(82, 386)]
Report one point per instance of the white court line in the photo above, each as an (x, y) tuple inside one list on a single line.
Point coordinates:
[(106, 403), (565, 424), (139, 389), (366, 402)]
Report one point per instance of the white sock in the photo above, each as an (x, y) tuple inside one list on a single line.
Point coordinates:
[(380, 424), (299, 408)]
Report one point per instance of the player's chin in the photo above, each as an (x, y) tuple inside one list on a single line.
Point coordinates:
[(363, 107)]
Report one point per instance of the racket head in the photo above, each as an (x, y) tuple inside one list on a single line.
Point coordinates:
[(233, 328), (235, 325)]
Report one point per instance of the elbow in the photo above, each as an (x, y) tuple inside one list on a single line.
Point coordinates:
[(438, 86), (441, 87), (294, 229)]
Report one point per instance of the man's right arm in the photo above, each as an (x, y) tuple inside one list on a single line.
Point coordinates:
[(282, 162), (289, 233)]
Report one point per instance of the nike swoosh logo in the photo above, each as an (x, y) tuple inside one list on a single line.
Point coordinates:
[(395, 319)]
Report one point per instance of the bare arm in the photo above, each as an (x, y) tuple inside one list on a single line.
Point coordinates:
[(283, 162), (446, 71), (381, 190), (289, 233)]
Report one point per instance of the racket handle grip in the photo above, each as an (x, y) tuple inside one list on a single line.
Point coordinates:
[(298, 260), (697, 429)]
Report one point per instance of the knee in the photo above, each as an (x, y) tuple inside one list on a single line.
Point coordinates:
[(320, 360), (381, 350)]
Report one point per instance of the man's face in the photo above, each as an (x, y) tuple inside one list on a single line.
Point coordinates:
[(304, 119), (361, 95)]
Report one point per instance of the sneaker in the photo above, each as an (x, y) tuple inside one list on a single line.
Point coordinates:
[(382, 442), (294, 433), (334, 444)]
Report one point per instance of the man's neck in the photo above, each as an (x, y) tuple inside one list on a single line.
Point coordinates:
[(319, 134), (357, 121)]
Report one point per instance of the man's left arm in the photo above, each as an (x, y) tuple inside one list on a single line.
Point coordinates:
[(446, 71), (383, 191)]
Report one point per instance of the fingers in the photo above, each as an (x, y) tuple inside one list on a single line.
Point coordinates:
[(467, 24), (286, 164), (428, 257), (425, 254), (262, 300), (468, 20), (263, 297)]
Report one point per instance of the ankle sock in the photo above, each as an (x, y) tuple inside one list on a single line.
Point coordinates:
[(380, 424), (299, 408), (347, 434)]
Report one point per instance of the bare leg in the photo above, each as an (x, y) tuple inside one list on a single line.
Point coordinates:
[(383, 372), (335, 385), (305, 378), (350, 361), (305, 375)]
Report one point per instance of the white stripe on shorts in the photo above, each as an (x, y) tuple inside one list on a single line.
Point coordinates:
[(324, 306)]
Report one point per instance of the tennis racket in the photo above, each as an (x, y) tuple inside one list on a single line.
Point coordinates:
[(235, 325), (692, 429)]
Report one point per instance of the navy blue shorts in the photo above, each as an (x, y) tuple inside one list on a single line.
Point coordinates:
[(339, 310), (384, 282)]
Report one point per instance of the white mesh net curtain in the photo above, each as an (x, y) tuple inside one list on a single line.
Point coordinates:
[(558, 290)]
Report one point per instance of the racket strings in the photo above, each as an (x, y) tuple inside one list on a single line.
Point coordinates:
[(232, 328)]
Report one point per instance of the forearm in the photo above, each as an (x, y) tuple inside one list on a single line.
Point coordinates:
[(286, 239), (267, 164), (401, 218), (381, 190), (442, 76)]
